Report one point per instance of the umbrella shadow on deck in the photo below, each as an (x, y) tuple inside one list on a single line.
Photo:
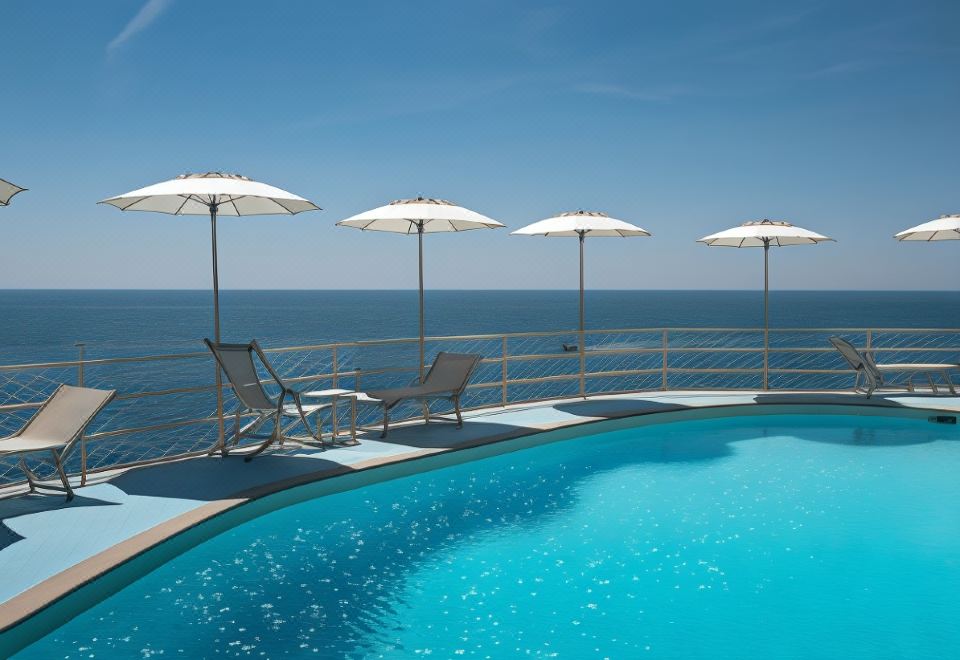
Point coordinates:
[(614, 408), (210, 478), (445, 435)]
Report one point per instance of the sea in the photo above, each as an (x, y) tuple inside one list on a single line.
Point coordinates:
[(46, 325)]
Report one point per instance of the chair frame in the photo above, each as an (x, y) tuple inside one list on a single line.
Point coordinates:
[(59, 457), (866, 367), (447, 395), (276, 413)]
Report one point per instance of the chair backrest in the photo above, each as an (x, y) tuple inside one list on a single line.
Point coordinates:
[(450, 372), (66, 413), (237, 363), (854, 358)]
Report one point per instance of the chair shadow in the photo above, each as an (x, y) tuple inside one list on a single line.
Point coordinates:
[(209, 479), (30, 503)]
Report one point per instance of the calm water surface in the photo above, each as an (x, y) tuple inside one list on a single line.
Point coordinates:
[(768, 537), (44, 325)]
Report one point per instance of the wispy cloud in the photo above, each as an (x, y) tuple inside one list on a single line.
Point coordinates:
[(838, 69), (652, 94), (148, 13)]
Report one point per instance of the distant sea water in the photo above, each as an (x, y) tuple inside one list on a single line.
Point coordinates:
[(44, 325)]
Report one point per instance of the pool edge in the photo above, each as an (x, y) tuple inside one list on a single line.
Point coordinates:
[(36, 612)]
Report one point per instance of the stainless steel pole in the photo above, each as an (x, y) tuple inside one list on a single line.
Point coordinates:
[(583, 388), (216, 325), (420, 246), (766, 313)]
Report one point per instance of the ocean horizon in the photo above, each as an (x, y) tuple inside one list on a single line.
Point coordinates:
[(45, 324)]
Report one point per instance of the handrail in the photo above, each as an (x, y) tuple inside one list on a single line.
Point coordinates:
[(172, 421)]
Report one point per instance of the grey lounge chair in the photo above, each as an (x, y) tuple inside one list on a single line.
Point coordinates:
[(237, 362), (56, 427), (866, 367), (447, 379)]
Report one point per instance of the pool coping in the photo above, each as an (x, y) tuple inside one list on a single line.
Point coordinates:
[(38, 610)]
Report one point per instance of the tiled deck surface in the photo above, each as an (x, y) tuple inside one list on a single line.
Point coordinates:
[(47, 544)]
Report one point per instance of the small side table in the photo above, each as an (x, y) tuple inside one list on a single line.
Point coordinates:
[(334, 396)]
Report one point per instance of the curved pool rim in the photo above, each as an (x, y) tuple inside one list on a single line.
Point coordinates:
[(128, 561)]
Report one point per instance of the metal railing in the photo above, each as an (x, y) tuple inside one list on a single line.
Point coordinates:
[(166, 403)]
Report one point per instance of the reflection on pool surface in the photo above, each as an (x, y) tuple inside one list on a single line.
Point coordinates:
[(768, 536)]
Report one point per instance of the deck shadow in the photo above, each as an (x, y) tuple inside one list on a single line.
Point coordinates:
[(613, 408), (24, 505), (878, 401), (445, 435), (210, 478)]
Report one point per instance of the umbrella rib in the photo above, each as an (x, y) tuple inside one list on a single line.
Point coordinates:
[(180, 208)]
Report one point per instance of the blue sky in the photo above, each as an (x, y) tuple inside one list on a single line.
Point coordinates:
[(682, 117)]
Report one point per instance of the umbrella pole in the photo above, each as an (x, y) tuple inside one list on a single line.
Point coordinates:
[(766, 317), (583, 389), (216, 326), (420, 247)]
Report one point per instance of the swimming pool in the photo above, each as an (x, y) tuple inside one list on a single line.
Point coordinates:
[(766, 536)]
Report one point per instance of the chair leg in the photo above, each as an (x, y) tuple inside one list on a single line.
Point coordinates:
[(31, 477), (456, 408), (386, 423), (949, 382), (63, 474), (263, 445)]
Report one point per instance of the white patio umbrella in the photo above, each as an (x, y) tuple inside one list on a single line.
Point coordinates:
[(581, 224), (214, 194), (944, 228), (420, 216), (764, 233), (7, 191)]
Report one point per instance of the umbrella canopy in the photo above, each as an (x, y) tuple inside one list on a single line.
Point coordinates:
[(420, 216), (213, 194), (764, 233), (7, 191), (944, 228), (581, 224), (194, 194)]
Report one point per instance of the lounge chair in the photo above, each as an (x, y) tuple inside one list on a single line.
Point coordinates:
[(447, 379), (237, 362), (56, 427), (866, 367)]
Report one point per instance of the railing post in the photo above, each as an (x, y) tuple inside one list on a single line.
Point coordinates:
[(83, 436), (766, 359), (503, 373), (666, 344), (335, 368)]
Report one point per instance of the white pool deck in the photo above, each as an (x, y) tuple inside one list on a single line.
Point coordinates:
[(49, 547)]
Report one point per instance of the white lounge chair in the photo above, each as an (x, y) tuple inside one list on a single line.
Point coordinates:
[(56, 427), (866, 367), (237, 363)]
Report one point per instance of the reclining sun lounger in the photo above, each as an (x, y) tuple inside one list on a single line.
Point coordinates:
[(866, 367), (447, 379), (56, 427), (238, 364)]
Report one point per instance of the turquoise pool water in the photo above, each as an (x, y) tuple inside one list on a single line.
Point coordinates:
[(751, 537)]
